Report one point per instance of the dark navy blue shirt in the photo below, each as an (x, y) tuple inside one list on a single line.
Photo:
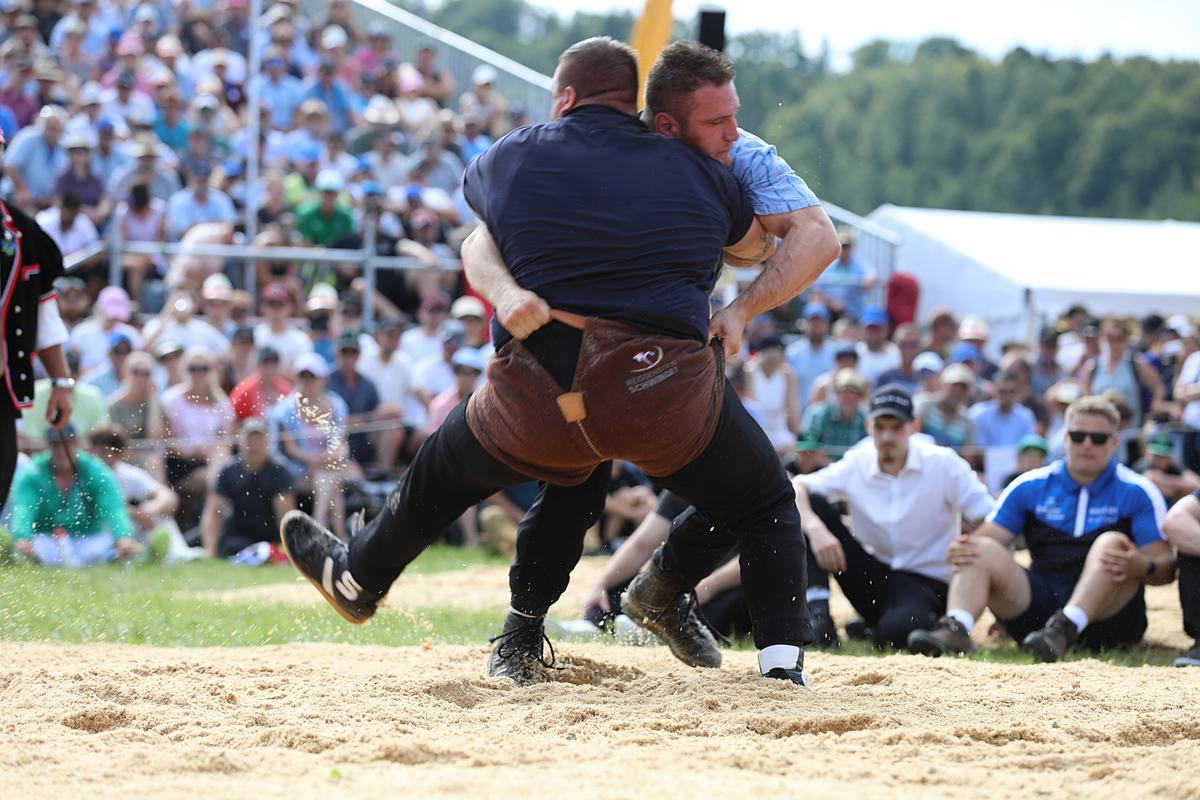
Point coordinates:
[(600, 216), (1061, 519)]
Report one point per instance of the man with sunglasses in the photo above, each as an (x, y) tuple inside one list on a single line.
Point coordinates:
[(1094, 531)]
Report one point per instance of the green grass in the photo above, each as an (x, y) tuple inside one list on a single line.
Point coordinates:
[(159, 605)]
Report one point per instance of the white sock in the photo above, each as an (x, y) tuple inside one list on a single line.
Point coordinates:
[(964, 617), (1076, 615), (816, 593), (785, 656)]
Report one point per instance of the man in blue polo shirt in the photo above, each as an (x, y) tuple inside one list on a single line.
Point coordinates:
[(620, 231), (1094, 531)]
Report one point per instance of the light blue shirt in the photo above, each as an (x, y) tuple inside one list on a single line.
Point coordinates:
[(809, 363), (38, 164), (183, 211), (843, 281), (994, 428), (773, 186), (283, 98)]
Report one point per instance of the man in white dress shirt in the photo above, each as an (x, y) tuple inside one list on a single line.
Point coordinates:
[(907, 499)]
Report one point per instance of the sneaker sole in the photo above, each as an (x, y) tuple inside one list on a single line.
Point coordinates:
[(299, 515), (646, 621)]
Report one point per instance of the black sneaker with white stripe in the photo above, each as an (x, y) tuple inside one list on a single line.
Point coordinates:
[(324, 560)]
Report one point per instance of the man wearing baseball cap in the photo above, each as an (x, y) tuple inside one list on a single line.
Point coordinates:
[(907, 499)]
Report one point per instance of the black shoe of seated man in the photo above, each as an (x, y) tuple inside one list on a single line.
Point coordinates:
[(324, 559), (655, 604), (947, 638), (1053, 640), (1189, 658), (824, 630), (517, 652), (796, 675), (857, 630)]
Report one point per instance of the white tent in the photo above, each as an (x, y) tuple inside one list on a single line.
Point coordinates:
[(1019, 271)]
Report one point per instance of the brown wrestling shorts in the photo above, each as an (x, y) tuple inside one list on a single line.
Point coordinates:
[(653, 400)]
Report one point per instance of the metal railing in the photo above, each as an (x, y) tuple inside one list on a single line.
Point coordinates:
[(457, 55)]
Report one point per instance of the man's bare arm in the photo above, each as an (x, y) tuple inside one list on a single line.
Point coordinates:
[(520, 311), (755, 247), (810, 244)]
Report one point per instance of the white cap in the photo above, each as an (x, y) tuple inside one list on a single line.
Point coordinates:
[(484, 73), (330, 180), (930, 361), (90, 93), (216, 287), (1180, 324), (467, 306), (312, 362), (469, 357), (333, 36)]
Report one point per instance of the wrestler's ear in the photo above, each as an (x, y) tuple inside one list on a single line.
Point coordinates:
[(665, 124), (567, 99)]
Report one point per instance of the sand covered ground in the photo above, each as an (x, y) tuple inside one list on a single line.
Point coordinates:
[(313, 720)]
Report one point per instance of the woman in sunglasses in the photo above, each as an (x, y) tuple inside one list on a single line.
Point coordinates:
[(1094, 530), (199, 425)]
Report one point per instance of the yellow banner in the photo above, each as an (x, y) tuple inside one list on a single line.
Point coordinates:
[(651, 32)]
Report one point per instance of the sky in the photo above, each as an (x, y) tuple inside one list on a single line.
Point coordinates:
[(1066, 28)]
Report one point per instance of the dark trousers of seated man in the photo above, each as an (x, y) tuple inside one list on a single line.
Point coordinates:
[(1189, 594), (893, 602)]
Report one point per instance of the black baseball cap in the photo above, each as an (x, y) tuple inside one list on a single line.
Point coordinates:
[(891, 401)]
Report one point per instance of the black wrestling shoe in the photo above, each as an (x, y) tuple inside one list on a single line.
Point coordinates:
[(825, 635), (1053, 640), (1189, 658), (857, 630), (654, 604), (797, 675), (324, 559), (948, 637), (517, 652)]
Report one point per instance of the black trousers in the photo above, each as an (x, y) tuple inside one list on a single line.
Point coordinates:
[(737, 479), (8, 456), (893, 602), (747, 503), (1189, 593)]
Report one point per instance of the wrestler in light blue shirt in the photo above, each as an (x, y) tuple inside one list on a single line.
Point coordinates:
[(773, 186)]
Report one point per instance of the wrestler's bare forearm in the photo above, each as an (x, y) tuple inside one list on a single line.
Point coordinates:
[(809, 244), (520, 311)]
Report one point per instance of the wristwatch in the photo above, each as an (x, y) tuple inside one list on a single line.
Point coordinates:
[(63, 383)]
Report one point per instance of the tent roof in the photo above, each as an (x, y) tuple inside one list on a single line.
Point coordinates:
[(1066, 253)]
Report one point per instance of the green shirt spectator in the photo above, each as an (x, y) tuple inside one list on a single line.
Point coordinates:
[(841, 424), (89, 410), (93, 504), (325, 222)]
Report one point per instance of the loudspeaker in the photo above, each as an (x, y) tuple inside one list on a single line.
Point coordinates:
[(711, 26)]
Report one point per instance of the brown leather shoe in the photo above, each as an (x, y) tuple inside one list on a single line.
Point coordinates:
[(948, 637), (1053, 640)]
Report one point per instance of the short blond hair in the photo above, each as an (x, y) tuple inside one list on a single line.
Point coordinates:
[(1096, 406)]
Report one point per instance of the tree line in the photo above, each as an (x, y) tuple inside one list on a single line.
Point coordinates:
[(934, 124)]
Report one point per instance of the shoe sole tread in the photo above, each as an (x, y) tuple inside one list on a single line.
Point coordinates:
[(346, 615)]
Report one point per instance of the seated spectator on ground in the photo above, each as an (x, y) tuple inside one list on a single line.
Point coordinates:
[(945, 418), (1160, 467), (67, 508), (1182, 528), (90, 338), (377, 447), (839, 425), (136, 409), (199, 425), (1032, 452), (89, 409), (630, 499), (503, 512), (277, 329), (310, 425), (262, 389), (467, 365), (108, 377), (1093, 528), (150, 503), (250, 496), (908, 498)]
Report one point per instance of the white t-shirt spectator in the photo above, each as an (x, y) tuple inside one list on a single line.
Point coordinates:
[(1190, 373), (396, 382), (290, 343), (90, 340), (418, 345), (871, 365), (81, 233), (193, 333), (434, 375)]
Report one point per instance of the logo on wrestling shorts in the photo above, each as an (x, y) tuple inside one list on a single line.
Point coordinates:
[(648, 359)]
